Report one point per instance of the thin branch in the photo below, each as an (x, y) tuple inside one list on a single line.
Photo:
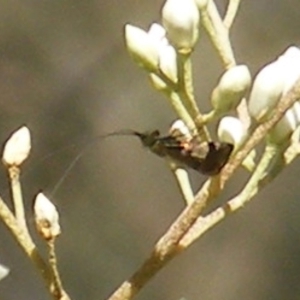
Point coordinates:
[(26, 243), (186, 93), (182, 178), (181, 110), (260, 132), (16, 190), (218, 34), (251, 188), (231, 12), (58, 290), (167, 247)]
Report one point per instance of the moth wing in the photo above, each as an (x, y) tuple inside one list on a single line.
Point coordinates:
[(212, 156)]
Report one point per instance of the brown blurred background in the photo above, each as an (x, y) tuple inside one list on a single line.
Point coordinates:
[(64, 73)]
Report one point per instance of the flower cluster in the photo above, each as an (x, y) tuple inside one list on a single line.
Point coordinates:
[(156, 49), (159, 49)]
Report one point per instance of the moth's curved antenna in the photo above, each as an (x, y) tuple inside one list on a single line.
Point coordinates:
[(123, 132)]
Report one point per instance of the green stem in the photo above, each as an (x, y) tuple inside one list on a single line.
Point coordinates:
[(252, 187), (186, 93), (231, 12), (219, 35), (58, 290), (26, 243), (182, 178)]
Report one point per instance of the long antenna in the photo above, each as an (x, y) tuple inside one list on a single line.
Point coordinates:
[(123, 132)]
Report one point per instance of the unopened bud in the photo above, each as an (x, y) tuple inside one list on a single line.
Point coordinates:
[(168, 62), (179, 129), (290, 61), (283, 130), (46, 217), (231, 88), (142, 47), (17, 148), (181, 20), (266, 91), (4, 271), (167, 57), (232, 131)]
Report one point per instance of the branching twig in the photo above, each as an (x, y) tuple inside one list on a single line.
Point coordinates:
[(167, 247), (26, 243)]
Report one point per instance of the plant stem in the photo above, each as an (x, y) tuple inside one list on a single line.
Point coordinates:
[(231, 12), (16, 190), (26, 243)]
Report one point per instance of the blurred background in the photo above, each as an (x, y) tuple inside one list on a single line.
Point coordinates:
[(64, 72)]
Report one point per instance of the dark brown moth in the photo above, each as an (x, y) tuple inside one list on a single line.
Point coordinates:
[(208, 158)]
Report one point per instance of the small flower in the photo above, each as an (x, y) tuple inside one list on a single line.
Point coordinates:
[(181, 20), (46, 217), (4, 271), (17, 148), (142, 47), (231, 88), (232, 131)]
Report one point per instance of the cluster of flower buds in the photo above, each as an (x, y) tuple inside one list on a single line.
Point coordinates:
[(46, 217), (156, 50), (271, 83)]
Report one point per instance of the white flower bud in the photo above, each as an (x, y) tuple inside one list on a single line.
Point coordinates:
[(4, 271), (286, 126), (178, 128), (46, 217), (231, 88), (266, 91), (17, 148), (181, 19), (290, 61), (168, 62), (142, 47), (296, 111), (158, 33), (231, 130)]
